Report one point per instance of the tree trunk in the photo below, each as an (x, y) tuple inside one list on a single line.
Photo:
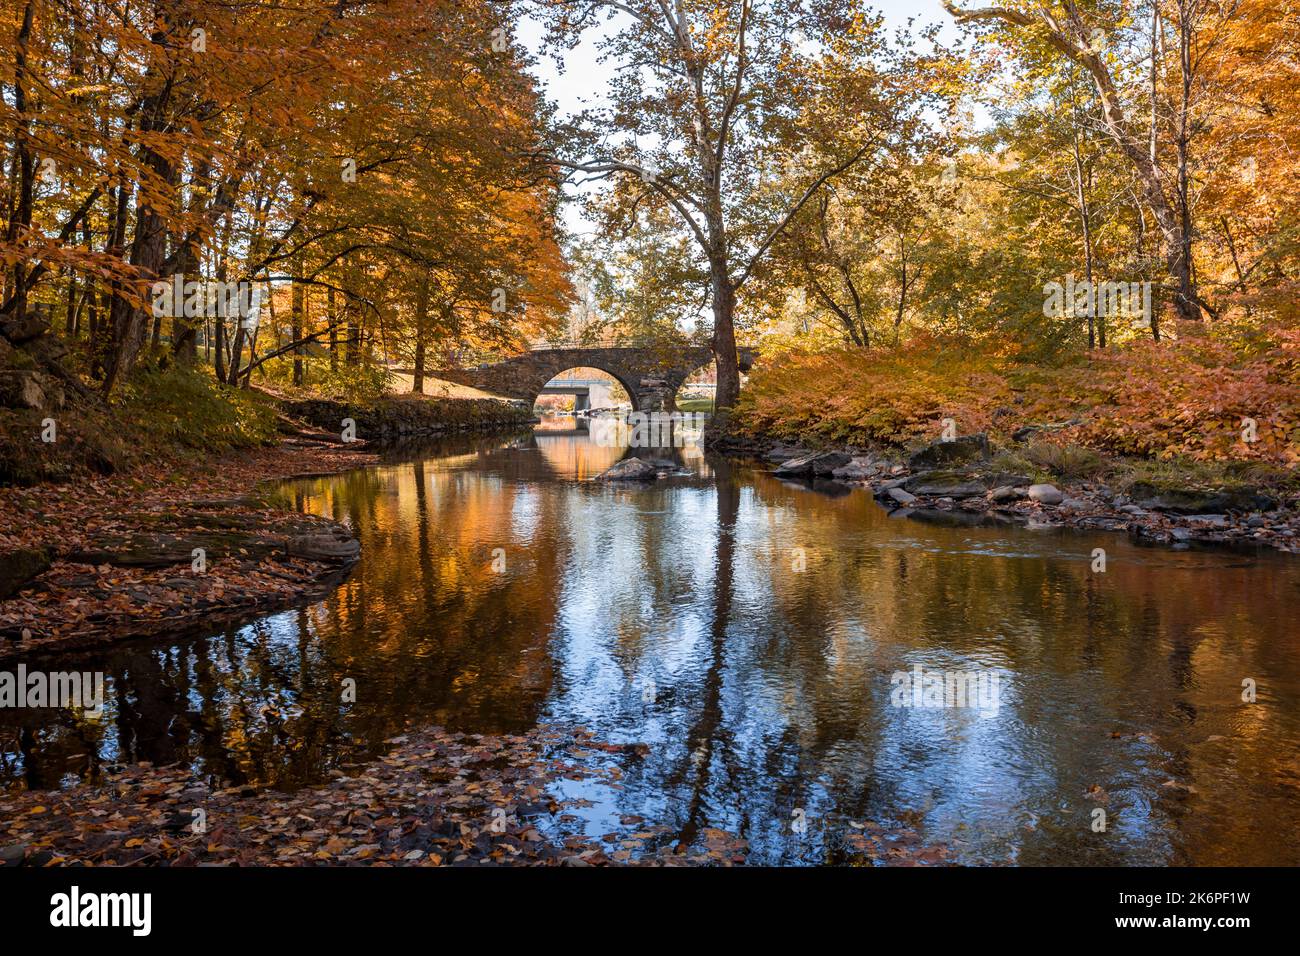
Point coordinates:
[(724, 341), (331, 319), (1082, 198), (421, 325), (185, 329), (295, 329), (21, 219), (148, 246), (219, 356), (354, 334)]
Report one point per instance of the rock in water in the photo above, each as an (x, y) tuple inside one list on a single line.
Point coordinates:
[(824, 465), (959, 451), (335, 548), (1046, 494), (949, 484), (784, 453), (1191, 501), (630, 469), (795, 466), (902, 497), (821, 464), (856, 469)]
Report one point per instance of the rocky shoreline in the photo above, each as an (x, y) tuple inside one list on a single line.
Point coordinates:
[(959, 481)]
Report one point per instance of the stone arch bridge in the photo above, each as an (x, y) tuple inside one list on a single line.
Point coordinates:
[(651, 375)]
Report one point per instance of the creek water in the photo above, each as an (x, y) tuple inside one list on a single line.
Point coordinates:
[(759, 636)]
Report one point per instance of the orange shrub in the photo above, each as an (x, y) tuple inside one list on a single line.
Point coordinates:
[(1171, 399)]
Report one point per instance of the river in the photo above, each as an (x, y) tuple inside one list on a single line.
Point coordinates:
[(752, 632)]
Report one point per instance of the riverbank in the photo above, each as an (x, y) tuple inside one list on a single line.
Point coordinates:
[(165, 538), (435, 799), (1196, 440), (970, 481), (165, 546)]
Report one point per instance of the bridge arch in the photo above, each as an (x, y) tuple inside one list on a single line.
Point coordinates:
[(550, 387)]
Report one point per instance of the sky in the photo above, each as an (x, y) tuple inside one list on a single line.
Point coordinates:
[(585, 76)]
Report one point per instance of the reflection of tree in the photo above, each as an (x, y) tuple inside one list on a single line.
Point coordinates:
[(702, 736)]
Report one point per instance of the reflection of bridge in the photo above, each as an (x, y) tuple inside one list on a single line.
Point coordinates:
[(651, 375)]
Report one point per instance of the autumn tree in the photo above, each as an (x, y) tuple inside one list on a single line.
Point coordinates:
[(707, 110), (1152, 117)]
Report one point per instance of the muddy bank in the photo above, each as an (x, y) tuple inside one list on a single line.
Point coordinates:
[(967, 481)]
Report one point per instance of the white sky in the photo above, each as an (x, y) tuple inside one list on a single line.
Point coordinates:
[(585, 77)]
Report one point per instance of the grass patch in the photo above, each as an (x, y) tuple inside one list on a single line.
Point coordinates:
[(696, 405), (186, 408)]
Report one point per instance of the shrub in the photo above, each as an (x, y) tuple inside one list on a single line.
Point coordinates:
[(1169, 400), (1065, 461)]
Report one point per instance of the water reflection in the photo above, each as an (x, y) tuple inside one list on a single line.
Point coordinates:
[(747, 630)]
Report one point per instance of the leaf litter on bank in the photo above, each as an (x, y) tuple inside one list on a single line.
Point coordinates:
[(437, 798)]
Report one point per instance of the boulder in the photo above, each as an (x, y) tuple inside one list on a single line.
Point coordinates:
[(1192, 501), (22, 388), (30, 326), (958, 451), (856, 470), (18, 567), (902, 497), (1006, 493), (1046, 494), (630, 469), (821, 464)]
